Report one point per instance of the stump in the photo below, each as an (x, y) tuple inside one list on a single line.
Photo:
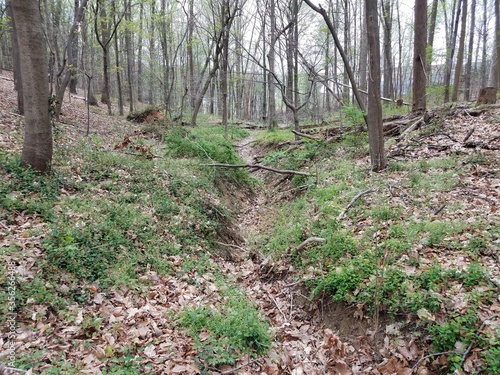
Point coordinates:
[(487, 95)]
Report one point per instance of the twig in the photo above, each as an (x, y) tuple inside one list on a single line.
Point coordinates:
[(415, 366), (309, 240), (258, 166), (464, 354), (439, 209), (238, 368), (360, 194), (469, 133), (245, 144), (230, 245)]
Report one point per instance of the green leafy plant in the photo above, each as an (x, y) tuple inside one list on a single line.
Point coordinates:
[(233, 329)]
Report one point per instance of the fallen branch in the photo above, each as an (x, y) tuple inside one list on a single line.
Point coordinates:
[(308, 241), (353, 200), (305, 135), (469, 133), (415, 366), (258, 166), (231, 371), (411, 128), (479, 144)]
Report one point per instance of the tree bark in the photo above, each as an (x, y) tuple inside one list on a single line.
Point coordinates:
[(451, 48), (497, 43), (74, 50), (388, 88), (375, 129), (460, 55), (271, 116), (140, 97), (468, 64), (70, 69), (16, 62), (430, 39), (37, 146), (419, 57)]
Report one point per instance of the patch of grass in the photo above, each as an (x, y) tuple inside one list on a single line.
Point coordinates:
[(228, 331), (208, 144), (24, 189), (275, 136)]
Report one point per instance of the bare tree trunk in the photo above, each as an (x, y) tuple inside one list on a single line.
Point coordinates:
[(345, 60), (70, 69), (271, 118), (151, 53), (419, 56), (74, 50), (16, 62), (375, 131), (430, 39), (497, 43), (346, 46), (363, 53), (400, 54), (140, 97), (468, 64), (190, 59), (460, 56), (37, 147), (388, 88), (224, 69), (130, 57), (484, 75), (218, 41), (117, 67), (451, 47), (327, 94)]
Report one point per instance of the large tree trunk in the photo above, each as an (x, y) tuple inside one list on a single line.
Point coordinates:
[(37, 147), (375, 131), (419, 56), (460, 55)]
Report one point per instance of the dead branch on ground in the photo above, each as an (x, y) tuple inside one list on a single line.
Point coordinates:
[(305, 135), (411, 128), (353, 200), (308, 241), (259, 166)]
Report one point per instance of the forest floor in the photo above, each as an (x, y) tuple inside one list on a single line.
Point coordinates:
[(157, 322)]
